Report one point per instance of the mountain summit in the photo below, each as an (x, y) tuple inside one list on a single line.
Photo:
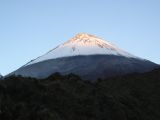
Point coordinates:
[(82, 44), (89, 57)]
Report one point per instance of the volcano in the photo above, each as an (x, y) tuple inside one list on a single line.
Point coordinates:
[(89, 57)]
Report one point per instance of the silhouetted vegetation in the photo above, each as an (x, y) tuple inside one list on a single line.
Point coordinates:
[(130, 97)]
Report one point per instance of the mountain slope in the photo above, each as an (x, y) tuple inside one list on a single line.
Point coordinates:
[(1, 76), (89, 67), (87, 56)]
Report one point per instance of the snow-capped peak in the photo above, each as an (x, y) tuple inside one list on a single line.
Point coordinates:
[(82, 44), (88, 40)]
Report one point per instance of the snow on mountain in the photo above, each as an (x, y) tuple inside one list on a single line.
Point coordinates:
[(82, 44)]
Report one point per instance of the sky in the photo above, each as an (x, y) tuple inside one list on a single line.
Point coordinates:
[(30, 28)]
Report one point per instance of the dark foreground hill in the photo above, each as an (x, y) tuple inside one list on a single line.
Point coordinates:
[(130, 97)]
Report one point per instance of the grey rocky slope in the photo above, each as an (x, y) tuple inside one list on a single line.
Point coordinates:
[(88, 67), (1, 76)]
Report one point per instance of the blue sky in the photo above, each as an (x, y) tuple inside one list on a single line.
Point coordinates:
[(29, 28)]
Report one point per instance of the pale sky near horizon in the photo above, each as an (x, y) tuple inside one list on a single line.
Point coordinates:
[(30, 28)]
